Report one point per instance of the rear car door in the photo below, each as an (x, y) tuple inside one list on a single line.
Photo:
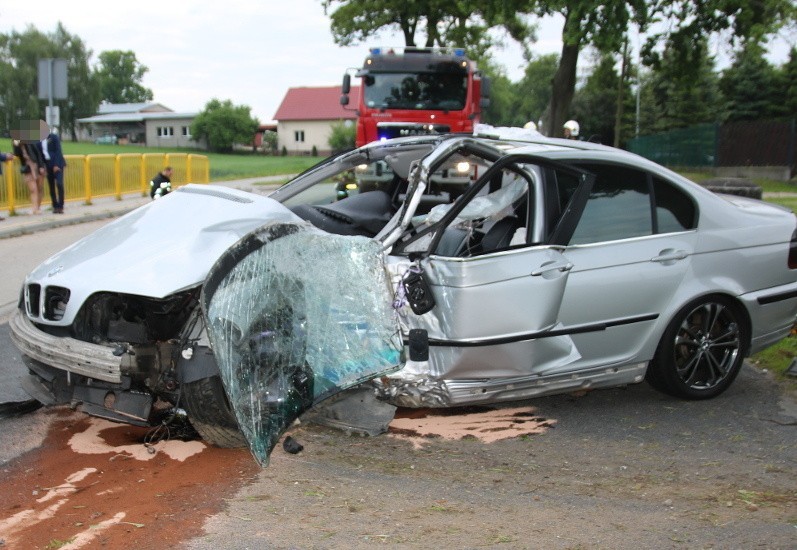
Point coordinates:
[(631, 249)]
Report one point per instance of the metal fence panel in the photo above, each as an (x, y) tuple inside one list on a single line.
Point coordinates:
[(733, 144), (88, 176), (756, 143), (693, 147)]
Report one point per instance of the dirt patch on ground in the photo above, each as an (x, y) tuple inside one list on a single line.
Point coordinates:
[(95, 484)]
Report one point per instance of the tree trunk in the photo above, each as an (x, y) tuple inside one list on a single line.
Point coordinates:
[(564, 87), (408, 29)]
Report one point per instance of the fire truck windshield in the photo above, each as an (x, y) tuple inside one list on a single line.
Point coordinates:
[(419, 91)]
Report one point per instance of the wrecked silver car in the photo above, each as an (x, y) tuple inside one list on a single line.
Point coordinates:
[(437, 270)]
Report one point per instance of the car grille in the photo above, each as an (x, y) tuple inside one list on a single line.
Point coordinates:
[(55, 300), (34, 294)]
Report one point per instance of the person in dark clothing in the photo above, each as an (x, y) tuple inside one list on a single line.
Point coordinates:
[(3, 158), (54, 158), (33, 168), (161, 184)]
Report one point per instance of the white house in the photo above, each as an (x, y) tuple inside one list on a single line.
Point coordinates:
[(306, 115), (150, 124)]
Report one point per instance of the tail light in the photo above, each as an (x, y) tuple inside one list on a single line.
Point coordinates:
[(793, 251)]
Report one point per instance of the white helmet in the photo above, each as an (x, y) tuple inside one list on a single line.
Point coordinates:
[(571, 125), (530, 125)]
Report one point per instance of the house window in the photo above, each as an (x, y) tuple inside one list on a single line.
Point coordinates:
[(299, 135), (165, 131), (187, 131)]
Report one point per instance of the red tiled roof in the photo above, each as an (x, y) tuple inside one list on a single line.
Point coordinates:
[(321, 103)]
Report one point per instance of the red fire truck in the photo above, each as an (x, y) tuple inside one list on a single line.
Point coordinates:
[(414, 91)]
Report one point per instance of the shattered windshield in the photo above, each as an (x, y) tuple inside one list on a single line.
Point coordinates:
[(291, 324)]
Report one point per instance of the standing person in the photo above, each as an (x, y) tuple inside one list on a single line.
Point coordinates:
[(161, 184), (33, 168), (54, 157), (4, 157)]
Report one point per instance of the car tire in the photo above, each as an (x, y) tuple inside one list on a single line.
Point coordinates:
[(210, 413), (702, 350)]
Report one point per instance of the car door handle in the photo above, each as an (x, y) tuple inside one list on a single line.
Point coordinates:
[(562, 267), (670, 255)]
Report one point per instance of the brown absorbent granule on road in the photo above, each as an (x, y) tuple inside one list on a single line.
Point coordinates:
[(93, 484), (487, 425)]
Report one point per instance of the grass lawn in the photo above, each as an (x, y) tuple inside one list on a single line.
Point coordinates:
[(222, 166)]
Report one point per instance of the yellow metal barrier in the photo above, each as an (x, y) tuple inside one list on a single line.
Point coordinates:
[(91, 176)]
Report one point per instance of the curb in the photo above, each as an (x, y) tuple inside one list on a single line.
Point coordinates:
[(54, 224)]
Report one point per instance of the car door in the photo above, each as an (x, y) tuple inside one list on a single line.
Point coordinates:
[(496, 308), (631, 249)]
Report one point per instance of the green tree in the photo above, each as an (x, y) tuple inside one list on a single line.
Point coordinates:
[(270, 141), (119, 75), (223, 124), (605, 25), (464, 23), (502, 95), (789, 82), (533, 91), (83, 89), (752, 87), (594, 105), (342, 135), (676, 98), (19, 55)]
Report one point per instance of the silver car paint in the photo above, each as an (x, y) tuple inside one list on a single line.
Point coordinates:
[(188, 230), (650, 278)]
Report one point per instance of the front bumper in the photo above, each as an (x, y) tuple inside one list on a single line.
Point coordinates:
[(63, 353)]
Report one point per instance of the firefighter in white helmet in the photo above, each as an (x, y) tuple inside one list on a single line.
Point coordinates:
[(571, 129)]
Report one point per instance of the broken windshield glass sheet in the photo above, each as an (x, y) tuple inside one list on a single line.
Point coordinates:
[(295, 315)]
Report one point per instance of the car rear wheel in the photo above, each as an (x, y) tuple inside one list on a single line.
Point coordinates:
[(210, 413), (702, 350)]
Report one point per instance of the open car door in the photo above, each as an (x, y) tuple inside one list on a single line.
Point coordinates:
[(296, 315), (496, 275)]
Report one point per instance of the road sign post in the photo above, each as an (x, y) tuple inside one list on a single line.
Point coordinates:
[(52, 85)]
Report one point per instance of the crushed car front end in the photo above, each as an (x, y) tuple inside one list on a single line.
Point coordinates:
[(112, 322)]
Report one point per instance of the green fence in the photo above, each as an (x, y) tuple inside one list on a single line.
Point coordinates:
[(695, 146), (91, 176)]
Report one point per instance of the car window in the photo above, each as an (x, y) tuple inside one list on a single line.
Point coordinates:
[(619, 206), (495, 219), (675, 211), (362, 178)]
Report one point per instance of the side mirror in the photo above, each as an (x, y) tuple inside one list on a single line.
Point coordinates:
[(344, 100), (346, 87), (487, 85)]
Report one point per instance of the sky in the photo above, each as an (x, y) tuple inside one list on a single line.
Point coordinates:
[(248, 51)]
